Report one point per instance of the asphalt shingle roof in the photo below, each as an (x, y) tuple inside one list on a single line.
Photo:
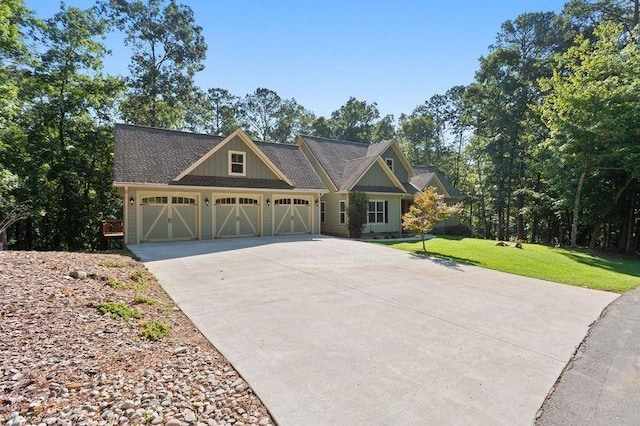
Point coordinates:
[(424, 175), (344, 161), (232, 182), (293, 163), (149, 155)]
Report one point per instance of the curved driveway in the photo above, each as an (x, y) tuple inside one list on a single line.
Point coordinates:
[(333, 331)]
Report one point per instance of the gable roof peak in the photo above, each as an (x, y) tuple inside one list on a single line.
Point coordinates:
[(322, 138), (161, 130)]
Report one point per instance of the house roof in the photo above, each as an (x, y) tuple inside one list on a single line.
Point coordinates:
[(353, 170), (149, 155), (344, 162), (231, 182), (292, 161), (425, 174)]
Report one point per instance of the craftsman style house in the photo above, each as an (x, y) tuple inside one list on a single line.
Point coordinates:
[(178, 185), (379, 170)]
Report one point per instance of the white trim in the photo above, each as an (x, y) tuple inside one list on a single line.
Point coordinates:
[(293, 210), (236, 211), (247, 140), (125, 213), (376, 212), (146, 193), (389, 160), (438, 185), (301, 142), (403, 159), (340, 212), (165, 187), (230, 163), (386, 170)]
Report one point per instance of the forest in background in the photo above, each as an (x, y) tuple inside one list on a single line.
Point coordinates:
[(544, 143)]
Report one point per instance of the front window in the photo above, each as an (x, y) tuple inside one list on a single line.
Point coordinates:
[(322, 212), (376, 212), (343, 212), (389, 163), (237, 163)]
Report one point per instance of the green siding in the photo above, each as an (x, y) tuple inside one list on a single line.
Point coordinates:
[(398, 168), (131, 231), (394, 216), (375, 176), (218, 163), (332, 224)]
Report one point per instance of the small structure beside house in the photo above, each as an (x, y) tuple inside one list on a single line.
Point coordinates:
[(179, 185)]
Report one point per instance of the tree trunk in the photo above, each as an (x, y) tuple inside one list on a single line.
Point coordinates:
[(424, 247), (483, 210), (520, 218), (501, 224), (576, 203), (594, 235)]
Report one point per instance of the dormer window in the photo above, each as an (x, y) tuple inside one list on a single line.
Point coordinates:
[(389, 162), (237, 163)]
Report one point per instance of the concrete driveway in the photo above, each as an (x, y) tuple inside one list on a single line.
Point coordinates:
[(332, 331)]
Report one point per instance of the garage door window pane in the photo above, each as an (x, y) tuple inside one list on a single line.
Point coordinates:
[(229, 200)]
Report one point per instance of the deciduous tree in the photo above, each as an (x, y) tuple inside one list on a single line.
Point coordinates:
[(428, 209), (168, 50)]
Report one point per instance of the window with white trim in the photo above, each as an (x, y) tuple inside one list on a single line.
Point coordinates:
[(389, 162), (342, 212), (375, 213), (323, 211), (237, 163)]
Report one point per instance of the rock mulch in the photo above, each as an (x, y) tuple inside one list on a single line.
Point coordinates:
[(62, 362)]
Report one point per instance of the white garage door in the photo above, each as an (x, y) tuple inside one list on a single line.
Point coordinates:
[(236, 216), (167, 218), (292, 216)]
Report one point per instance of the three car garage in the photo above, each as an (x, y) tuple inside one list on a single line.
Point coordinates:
[(194, 215)]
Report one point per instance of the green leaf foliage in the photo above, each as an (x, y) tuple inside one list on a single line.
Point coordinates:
[(357, 213)]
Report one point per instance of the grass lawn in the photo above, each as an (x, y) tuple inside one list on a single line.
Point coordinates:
[(576, 267)]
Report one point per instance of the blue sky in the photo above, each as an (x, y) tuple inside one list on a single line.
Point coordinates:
[(396, 53)]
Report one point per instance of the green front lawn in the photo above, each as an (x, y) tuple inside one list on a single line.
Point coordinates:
[(575, 267)]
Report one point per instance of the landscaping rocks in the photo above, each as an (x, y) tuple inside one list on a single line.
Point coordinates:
[(64, 363)]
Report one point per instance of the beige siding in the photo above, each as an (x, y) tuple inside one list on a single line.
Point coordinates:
[(332, 224), (394, 217), (375, 176), (131, 231), (398, 168), (218, 163), (205, 219)]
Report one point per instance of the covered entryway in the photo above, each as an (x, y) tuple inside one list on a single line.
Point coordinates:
[(236, 216), (291, 216), (166, 217)]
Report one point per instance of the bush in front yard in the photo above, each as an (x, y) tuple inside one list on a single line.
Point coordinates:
[(357, 213)]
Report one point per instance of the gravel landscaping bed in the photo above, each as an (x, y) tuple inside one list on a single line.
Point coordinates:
[(64, 362)]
